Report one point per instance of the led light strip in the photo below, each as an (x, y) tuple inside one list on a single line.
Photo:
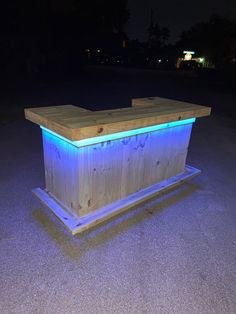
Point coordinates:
[(119, 135)]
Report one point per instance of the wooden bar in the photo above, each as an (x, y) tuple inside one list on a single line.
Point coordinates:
[(99, 164)]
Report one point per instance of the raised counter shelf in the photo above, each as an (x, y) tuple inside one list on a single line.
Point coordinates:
[(75, 123)]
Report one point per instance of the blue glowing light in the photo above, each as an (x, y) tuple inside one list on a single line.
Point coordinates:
[(119, 135)]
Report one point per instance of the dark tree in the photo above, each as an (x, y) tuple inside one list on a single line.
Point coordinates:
[(40, 33), (215, 40), (157, 36)]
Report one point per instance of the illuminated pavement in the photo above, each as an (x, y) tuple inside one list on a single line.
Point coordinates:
[(176, 254)]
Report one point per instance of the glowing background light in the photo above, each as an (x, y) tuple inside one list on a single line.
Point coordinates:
[(119, 135), (188, 55), (190, 52)]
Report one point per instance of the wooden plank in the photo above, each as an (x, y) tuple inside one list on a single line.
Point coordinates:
[(75, 123), (154, 101), (114, 116), (90, 177), (76, 134), (100, 116), (43, 115), (49, 117), (60, 212), (61, 161), (119, 207)]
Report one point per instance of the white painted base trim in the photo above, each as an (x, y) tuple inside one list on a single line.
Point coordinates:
[(77, 225)]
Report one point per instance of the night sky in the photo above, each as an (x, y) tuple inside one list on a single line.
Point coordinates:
[(177, 15)]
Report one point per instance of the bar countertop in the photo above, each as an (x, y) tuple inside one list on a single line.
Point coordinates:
[(76, 123)]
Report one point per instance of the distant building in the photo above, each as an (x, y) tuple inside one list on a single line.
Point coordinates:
[(188, 61)]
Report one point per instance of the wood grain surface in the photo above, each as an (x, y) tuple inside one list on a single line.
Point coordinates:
[(75, 123)]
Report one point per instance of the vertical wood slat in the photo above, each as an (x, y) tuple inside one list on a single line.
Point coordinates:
[(87, 178)]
